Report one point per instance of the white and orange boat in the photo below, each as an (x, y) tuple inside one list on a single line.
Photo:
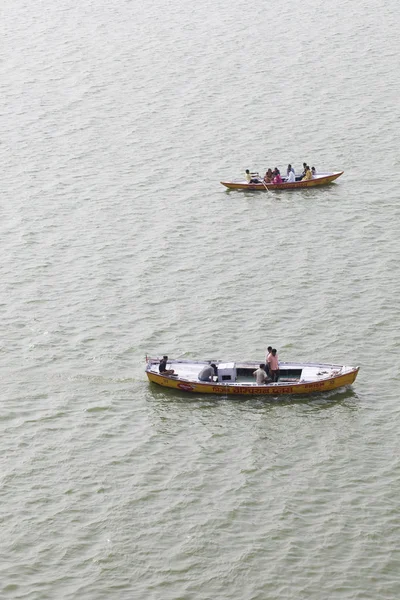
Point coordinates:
[(237, 377), (317, 180)]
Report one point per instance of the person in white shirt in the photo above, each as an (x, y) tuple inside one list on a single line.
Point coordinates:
[(249, 177), (289, 168), (291, 178), (260, 375)]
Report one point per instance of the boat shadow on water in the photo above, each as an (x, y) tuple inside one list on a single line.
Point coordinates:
[(306, 193)]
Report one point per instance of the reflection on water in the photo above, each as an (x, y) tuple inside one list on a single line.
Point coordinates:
[(301, 192), (321, 400)]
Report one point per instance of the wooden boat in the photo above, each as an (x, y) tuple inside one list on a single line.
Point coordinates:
[(319, 179), (237, 377)]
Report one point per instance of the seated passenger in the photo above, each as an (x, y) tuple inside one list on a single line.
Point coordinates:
[(268, 177), (313, 172), (308, 174), (277, 176), (207, 373), (260, 375), (163, 367), (291, 178), (249, 178)]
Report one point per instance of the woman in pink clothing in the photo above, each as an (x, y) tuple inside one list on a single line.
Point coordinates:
[(273, 364), (277, 176)]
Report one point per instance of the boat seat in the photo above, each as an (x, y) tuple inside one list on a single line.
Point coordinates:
[(309, 374)]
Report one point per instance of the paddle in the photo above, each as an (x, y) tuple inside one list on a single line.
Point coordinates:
[(263, 182), (260, 178)]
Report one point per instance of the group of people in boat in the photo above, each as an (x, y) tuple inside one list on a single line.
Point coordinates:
[(268, 372), (274, 176), (207, 373)]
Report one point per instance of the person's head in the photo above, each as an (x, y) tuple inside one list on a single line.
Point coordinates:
[(247, 171), (262, 366), (289, 167), (269, 348), (269, 171), (273, 351), (305, 165), (165, 357), (213, 365), (313, 169)]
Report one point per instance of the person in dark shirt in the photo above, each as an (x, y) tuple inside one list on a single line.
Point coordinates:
[(207, 373), (163, 367)]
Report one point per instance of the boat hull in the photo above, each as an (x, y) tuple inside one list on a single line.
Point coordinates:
[(297, 185), (243, 389)]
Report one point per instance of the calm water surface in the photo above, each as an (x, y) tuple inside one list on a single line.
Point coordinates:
[(118, 120)]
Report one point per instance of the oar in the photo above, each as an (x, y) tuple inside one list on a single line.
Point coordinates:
[(263, 182)]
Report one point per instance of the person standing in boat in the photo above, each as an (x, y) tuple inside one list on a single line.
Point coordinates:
[(207, 373), (162, 367), (249, 178), (273, 364), (260, 375), (266, 367)]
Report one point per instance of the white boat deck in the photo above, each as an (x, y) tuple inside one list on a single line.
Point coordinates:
[(294, 372)]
